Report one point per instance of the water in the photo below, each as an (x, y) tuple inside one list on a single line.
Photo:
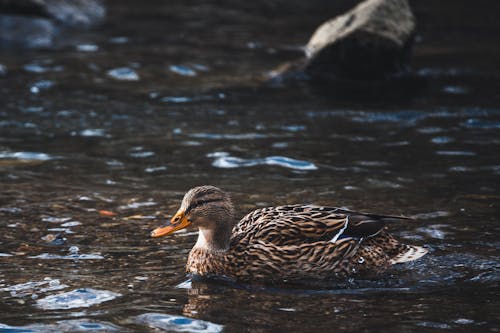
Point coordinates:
[(92, 159)]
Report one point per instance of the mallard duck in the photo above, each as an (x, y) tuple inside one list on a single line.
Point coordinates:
[(285, 243)]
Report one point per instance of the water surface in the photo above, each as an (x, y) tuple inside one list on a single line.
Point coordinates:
[(100, 138)]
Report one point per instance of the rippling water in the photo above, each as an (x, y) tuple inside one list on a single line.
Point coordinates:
[(101, 138)]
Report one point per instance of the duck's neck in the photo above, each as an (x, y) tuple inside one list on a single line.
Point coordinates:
[(214, 240)]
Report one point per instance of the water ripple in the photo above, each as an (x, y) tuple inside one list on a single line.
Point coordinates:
[(78, 298), (25, 155), (123, 74), (182, 70), (75, 325), (224, 160), (33, 287), (218, 136), (172, 323), (475, 123)]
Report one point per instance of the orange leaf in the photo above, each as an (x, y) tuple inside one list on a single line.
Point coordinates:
[(106, 213)]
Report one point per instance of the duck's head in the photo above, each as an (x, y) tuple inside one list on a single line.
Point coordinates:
[(206, 207)]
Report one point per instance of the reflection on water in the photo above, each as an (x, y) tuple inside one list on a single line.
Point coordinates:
[(99, 141), (225, 161), (172, 323), (76, 299)]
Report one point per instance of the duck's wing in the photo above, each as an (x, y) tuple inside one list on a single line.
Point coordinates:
[(301, 224)]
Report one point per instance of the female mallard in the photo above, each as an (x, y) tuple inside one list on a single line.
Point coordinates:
[(285, 243)]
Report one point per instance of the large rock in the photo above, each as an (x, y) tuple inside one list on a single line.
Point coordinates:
[(36, 23), (371, 41)]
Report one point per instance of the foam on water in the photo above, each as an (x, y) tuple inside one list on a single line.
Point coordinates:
[(78, 298), (172, 323)]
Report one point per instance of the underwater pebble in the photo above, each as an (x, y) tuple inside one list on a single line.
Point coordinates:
[(173, 323), (77, 298)]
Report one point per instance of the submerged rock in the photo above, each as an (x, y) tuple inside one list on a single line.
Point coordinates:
[(370, 42), (36, 23)]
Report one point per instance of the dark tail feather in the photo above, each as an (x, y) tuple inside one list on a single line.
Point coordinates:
[(363, 225)]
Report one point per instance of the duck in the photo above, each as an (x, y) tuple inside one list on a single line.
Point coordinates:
[(290, 243)]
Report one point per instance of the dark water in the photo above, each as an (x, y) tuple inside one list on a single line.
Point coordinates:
[(128, 117)]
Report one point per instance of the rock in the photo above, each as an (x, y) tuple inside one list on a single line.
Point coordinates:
[(36, 23), (371, 41)]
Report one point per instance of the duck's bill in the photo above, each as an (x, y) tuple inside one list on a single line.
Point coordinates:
[(178, 222)]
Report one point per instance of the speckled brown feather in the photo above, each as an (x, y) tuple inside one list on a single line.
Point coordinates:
[(299, 242)]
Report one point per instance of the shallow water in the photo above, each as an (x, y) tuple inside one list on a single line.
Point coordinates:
[(100, 138)]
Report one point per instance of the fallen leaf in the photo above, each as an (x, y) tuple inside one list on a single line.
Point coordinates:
[(106, 213)]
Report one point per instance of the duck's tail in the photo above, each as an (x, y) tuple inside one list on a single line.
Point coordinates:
[(411, 252)]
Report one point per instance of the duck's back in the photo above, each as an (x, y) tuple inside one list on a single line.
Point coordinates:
[(305, 241)]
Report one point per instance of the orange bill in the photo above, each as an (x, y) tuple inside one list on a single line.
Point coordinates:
[(178, 222)]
